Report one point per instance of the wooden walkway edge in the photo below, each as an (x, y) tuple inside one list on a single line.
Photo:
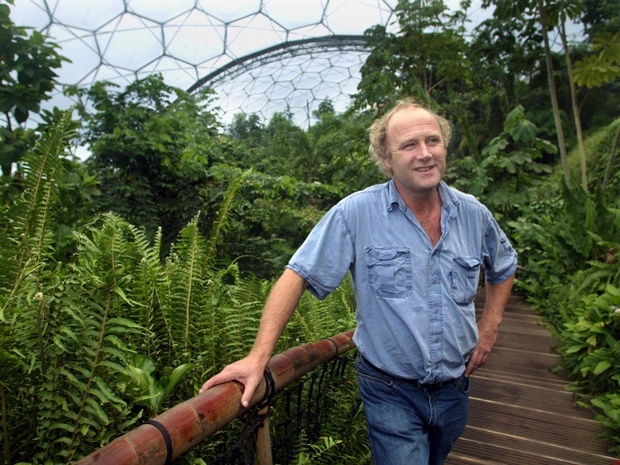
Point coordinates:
[(520, 410)]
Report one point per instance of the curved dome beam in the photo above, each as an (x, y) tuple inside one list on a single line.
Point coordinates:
[(275, 53)]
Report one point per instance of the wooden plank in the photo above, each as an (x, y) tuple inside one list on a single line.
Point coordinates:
[(549, 382), (523, 362), (527, 395), (518, 451), (524, 340), (543, 425), (459, 459)]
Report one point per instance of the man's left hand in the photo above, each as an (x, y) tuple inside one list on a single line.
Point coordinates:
[(488, 332)]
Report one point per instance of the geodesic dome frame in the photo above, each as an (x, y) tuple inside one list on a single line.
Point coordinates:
[(260, 56)]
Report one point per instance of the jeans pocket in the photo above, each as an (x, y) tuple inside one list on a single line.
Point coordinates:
[(368, 373), (464, 279), (463, 384), (389, 271)]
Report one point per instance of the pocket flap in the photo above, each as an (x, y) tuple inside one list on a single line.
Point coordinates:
[(376, 255), (466, 262)]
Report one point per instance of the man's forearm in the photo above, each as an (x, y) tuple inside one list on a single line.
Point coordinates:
[(488, 326), (279, 308), (496, 299)]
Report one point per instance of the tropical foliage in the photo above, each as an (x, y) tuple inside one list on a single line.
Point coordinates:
[(92, 345)]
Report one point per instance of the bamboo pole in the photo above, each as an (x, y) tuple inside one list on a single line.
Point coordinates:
[(263, 441), (194, 420)]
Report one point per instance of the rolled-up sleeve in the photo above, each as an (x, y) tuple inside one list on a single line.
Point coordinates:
[(326, 255), (499, 257)]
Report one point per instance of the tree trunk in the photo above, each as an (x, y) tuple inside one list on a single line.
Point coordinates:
[(554, 96), (575, 103)]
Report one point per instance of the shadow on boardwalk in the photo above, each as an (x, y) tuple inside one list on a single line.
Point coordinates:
[(521, 412)]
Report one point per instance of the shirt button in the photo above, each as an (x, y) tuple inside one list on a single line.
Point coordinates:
[(436, 311), (436, 339), (434, 281)]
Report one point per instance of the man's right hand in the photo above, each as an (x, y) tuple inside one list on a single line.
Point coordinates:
[(246, 371)]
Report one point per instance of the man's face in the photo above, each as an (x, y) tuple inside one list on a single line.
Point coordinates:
[(418, 154)]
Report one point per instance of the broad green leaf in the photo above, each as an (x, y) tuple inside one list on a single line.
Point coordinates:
[(59, 343), (63, 426), (121, 293), (524, 131), (601, 367), (108, 393), (573, 349), (117, 342)]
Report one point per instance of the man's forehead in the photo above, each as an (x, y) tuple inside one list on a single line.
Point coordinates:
[(412, 115)]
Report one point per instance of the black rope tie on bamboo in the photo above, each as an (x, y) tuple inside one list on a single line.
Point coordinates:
[(335, 347), (167, 438), (270, 389)]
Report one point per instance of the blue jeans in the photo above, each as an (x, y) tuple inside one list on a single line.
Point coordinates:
[(411, 424)]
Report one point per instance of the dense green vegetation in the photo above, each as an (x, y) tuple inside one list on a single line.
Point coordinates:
[(127, 279)]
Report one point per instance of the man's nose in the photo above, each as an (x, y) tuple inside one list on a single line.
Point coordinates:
[(423, 151)]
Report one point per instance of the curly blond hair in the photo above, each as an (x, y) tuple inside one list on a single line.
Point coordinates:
[(378, 132)]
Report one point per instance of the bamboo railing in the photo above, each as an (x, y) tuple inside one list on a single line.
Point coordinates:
[(187, 424)]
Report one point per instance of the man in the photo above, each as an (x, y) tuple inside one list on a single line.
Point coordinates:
[(415, 248)]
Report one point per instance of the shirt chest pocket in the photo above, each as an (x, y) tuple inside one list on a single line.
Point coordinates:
[(464, 279), (389, 271)]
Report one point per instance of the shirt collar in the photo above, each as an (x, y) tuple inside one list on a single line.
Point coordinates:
[(449, 200)]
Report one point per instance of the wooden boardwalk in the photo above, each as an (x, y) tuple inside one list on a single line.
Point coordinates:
[(520, 411)]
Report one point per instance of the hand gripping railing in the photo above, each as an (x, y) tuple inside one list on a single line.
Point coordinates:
[(185, 425)]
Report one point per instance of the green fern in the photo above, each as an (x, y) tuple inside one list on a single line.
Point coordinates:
[(152, 289), (104, 332), (317, 319), (28, 231), (185, 273), (220, 224)]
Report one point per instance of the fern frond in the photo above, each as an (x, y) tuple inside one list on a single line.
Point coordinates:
[(219, 226), (230, 317), (105, 327), (41, 169), (30, 230), (152, 288), (185, 272), (317, 319)]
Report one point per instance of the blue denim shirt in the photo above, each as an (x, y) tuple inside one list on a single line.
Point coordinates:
[(415, 311)]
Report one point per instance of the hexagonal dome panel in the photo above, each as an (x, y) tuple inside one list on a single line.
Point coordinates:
[(116, 39), (81, 15), (194, 27), (153, 10)]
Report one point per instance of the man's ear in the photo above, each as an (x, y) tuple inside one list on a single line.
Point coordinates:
[(388, 160)]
